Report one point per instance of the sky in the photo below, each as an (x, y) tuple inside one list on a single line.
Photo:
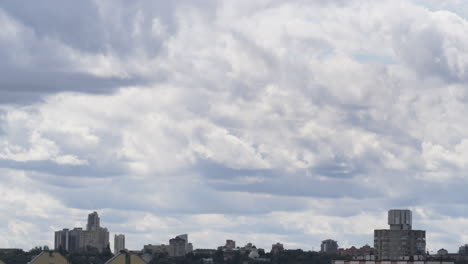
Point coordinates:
[(261, 121)]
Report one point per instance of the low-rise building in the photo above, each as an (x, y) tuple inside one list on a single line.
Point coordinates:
[(156, 249), (357, 253), (49, 257), (442, 252)]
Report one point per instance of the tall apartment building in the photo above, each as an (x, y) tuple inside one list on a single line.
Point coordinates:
[(399, 242), (119, 243), (230, 244), (179, 246), (78, 239), (329, 246)]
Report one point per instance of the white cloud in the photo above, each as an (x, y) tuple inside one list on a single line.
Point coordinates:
[(249, 120)]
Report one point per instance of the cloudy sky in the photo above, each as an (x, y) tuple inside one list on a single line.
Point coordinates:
[(260, 121)]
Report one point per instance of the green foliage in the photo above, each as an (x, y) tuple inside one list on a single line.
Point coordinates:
[(20, 257), (220, 257)]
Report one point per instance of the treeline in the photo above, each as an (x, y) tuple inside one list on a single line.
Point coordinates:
[(234, 257), (90, 256), (284, 257)]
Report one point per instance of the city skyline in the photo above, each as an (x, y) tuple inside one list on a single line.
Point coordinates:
[(259, 121), (400, 233)]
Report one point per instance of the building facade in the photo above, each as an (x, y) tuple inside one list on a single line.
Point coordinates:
[(119, 243), (276, 248), (400, 241), (463, 250), (156, 249), (77, 239), (230, 244), (177, 247), (329, 246)]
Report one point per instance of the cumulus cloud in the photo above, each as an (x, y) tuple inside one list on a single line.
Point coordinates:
[(255, 120)]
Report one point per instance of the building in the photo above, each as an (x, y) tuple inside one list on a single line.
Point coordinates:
[(230, 244), (156, 249), (49, 257), (77, 239), (442, 252), (126, 258), (177, 247), (364, 252), (463, 250), (329, 246), (399, 242), (276, 248), (94, 222), (119, 243)]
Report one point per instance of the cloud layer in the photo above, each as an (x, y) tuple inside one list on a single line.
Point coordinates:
[(261, 121)]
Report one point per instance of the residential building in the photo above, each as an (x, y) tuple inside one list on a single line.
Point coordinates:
[(399, 242), (49, 257), (119, 243), (463, 250), (230, 244), (442, 252), (177, 247), (77, 239), (329, 246), (93, 222), (156, 249), (355, 252), (276, 248), (126, 258)]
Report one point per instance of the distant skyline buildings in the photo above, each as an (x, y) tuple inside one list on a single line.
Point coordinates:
[(77, 239), (388, 242)]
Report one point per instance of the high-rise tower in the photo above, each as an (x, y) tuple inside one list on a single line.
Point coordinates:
[(93, 222), (399, 242), (119, 243)]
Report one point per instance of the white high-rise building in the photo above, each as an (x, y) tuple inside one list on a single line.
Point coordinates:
[(119, 243)]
